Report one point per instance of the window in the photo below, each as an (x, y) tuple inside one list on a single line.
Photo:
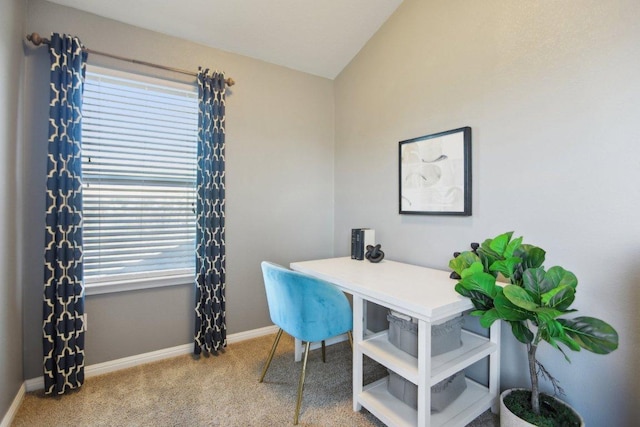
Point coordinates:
[(139, 148)]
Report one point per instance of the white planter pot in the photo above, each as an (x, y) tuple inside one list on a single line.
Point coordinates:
[(509, 419)]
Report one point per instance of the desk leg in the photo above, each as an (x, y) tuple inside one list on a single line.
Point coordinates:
[(494, 367), (358, 336), (424, 373)]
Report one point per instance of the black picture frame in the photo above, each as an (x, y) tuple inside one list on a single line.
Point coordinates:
[(435, 174)]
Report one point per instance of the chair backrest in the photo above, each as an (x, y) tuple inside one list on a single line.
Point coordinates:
[(307, 308)]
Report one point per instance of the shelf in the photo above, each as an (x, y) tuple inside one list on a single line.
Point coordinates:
[(474, 348), (391, 411), (379, 348), (468, 406), (429, 296)]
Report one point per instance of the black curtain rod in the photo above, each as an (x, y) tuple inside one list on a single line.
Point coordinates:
[(37, 41)]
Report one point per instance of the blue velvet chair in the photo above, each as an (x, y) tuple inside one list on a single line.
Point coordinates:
[(306, 308)]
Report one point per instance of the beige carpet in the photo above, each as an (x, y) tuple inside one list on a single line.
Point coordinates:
[(215, 391)]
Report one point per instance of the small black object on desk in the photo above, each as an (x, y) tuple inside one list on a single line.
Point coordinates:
[(374, 253)]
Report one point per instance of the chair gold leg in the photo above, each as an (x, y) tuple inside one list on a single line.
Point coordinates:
[(301, 383), (350, 339), (324, 353), (273, 350)]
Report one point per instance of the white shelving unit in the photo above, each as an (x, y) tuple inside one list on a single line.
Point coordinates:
[(429, 296)]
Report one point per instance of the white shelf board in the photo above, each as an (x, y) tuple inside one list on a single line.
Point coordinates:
[(468, 406), (474, 348), (391, 411), (380, 349)]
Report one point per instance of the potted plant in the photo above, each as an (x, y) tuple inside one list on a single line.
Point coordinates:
[(533, 301)]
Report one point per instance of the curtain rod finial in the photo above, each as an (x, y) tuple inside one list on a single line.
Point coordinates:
[(35, 39), (230, 82)]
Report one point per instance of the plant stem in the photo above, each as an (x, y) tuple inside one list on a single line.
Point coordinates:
[(535, 392)]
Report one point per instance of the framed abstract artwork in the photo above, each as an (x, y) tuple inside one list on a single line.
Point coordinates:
[(435, 174)]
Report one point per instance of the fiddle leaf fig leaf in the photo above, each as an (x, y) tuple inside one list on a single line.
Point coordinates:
[(546, 314), (560, 298), (485, 248), (520, 297), (533, 281), (521, 332), (489, 317), (506, 266), (480, 282), (509, 311), (532, 256), (463, 261), (569, 342), (480, 301), (561, 277), (592, 334), (499, 243), (512, 247), (554, 328), (474, 268)]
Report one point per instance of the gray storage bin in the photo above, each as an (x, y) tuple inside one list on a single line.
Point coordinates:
[(442, 394), (444, 337)]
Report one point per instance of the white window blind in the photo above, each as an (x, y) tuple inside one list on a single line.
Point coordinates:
[(139, 148)]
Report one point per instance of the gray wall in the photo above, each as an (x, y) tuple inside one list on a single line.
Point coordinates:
[(551, 92), (12, 19), (279, 157)]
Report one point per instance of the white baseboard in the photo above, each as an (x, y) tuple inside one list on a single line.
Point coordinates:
[(153, 356), (13, 409), (254, 333)]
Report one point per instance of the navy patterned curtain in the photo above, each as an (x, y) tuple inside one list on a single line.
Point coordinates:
[(63, 326), (211, 329)]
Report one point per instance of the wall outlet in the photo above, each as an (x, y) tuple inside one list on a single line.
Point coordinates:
[(84, 322)]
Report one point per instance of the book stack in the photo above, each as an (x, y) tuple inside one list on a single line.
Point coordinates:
[(360, 239)]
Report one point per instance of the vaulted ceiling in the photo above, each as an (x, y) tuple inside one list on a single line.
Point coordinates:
[(314, 36)]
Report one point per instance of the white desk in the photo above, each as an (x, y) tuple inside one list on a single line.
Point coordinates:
[(429, 296)]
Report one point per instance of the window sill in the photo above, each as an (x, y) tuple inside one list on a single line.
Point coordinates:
[(137, 284)]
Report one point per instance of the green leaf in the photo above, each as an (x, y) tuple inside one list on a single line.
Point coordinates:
[(499, 243), (480, 301), (553, 327), (508, 311), (532, 256), (476, 267), (462, 290), (546, 314), (533, 281), (489, 317), (462, 261), (485, 248), (521, 332), (561, 277), (560, 298), (487, 260), (480, 282), (512, 247), (506, 267), (520, 297), (592, 334), (569, 342)]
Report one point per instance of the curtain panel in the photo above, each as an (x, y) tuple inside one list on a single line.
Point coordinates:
[(63, 313), (210, 324)]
